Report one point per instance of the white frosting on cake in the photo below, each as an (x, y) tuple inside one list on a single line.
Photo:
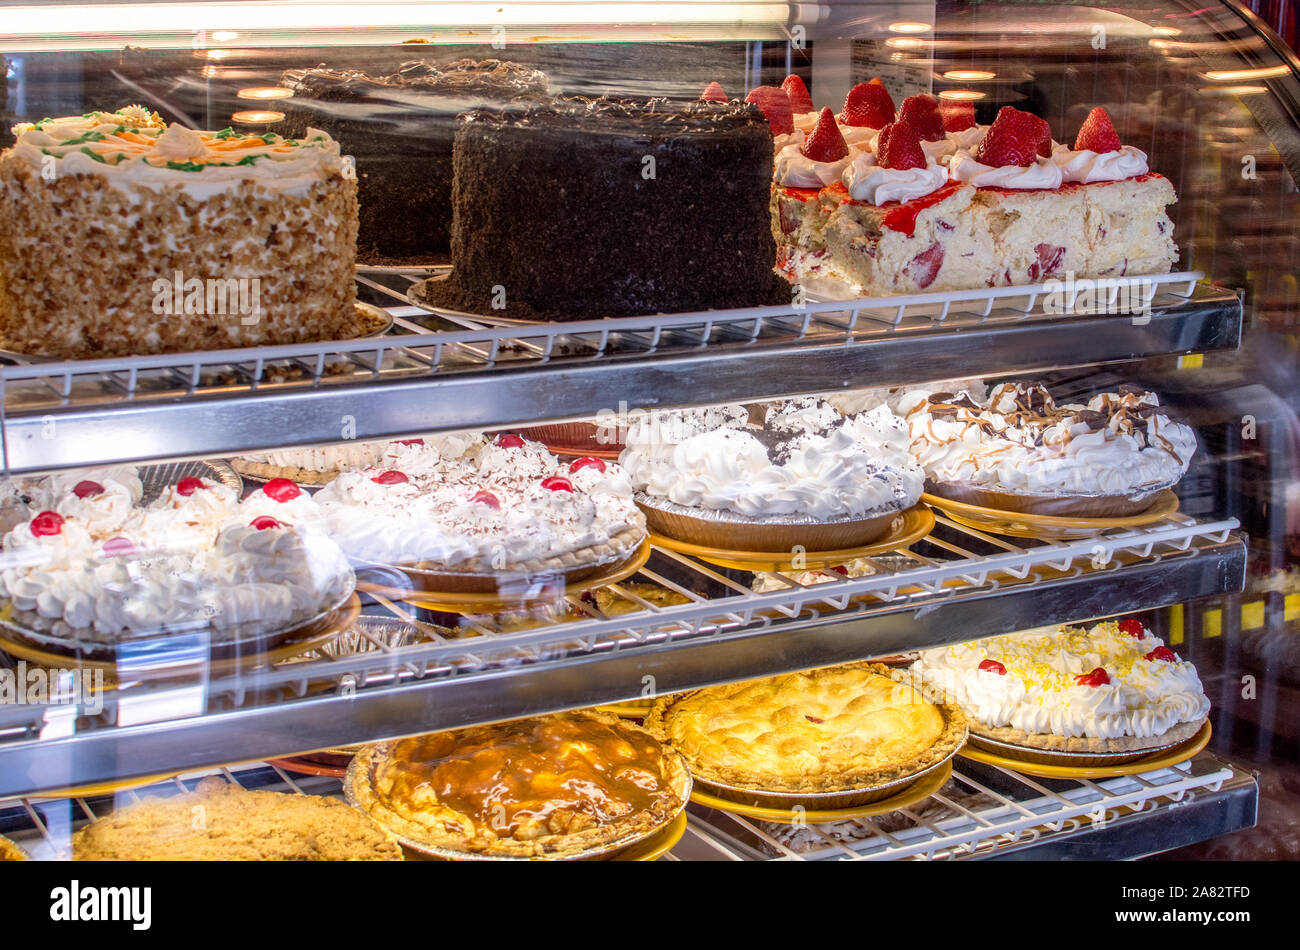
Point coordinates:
[(875, 184), (1039, 692), (1044, 173), (433, 516), (1084, 165), (1020, 440), (133, 149), (796, 170), (820, 464), (109, 570)]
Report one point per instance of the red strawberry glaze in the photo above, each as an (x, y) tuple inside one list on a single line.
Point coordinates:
[(802, 194), (264, 522), (87, 488), (587, 461), (281, 490), (189, 485), (487, 498), (390, 478), (1162, 653), (410, 441), (1098, 677), (902, 217), (509, 441), (557, 483), (992, 666), (47, 524)]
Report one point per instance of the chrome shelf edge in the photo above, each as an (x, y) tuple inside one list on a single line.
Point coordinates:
[(496, 392), (54, 754)]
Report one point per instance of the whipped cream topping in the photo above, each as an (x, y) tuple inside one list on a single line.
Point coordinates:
[(859, 137), (134, 148), (1084, 165), (874, 184), (855, 401), (806, 459), (1044, 173), (795, 138), (353, 455), (806, 121), (489, 505), (796, 170), (1020, 440), (190, 560), (1039, 694), (967, 139)]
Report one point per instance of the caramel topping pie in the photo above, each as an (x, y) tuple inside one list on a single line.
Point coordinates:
[(831, 729), (552, 786)]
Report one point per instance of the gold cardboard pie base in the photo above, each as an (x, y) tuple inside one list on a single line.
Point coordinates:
[(907, 528), (916, 789), (1145, 761), (473, 602), (1018, 524)]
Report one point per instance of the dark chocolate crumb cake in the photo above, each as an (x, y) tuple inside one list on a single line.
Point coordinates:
[(585, 208), (399, 128)]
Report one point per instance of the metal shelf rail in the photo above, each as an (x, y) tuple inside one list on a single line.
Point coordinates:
[(981, 813), (971, 584), (993, 812), (435, 373)]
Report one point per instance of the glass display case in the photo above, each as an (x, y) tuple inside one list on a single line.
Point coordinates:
[(155, 628)]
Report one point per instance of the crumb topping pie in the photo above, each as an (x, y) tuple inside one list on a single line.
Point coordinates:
[(559, 786), (831, 729)]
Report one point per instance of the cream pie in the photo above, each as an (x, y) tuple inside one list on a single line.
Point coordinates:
[(1019, 450), (321, 464), (97, 569), (561, 786), (807, 476), (508, 507), (1114, 688)]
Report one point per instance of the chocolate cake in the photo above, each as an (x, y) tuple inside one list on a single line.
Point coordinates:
[(399, 130), (583, 208)]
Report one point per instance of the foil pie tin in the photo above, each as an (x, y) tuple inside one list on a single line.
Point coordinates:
[(1051, 504), (726, 529), (1049, 757), (357, 774)]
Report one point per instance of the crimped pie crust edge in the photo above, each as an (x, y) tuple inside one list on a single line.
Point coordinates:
[(952, 738), (266, 471), (1180, 732), (360, 787)]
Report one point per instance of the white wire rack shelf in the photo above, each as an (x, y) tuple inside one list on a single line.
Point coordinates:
[(979, 814), (407, 675), (989, 812), (442, 372)]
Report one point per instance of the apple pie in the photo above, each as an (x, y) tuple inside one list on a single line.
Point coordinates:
[(569, 785), (826, 730)]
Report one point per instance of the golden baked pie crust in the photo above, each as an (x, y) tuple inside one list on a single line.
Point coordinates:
[(671, 719), (1175, 734), (10, 851), (427, 826)]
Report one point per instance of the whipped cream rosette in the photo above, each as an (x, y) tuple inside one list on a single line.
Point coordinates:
[(808, 476), (97, 570), (1111, 690), (1021, 451), (461, 523)]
